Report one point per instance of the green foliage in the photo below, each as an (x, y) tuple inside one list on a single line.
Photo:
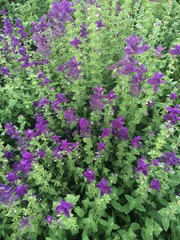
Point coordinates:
[(133, 211)]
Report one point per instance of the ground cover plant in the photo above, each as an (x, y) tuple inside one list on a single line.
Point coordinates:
[(89, 145)]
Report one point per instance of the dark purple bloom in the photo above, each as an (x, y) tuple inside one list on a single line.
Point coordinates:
[(100, 24), (135, 142), (56, 138), (72, 68), (170, 159), (172, 115), (8, 154), (89, 175), (68, 146), (70, 116), (96, 99), (155, 184), (156, 80), (174, 110), (150, 103), (101, 146), (156, 162), (75, 42), (84, 127), (60, 68), (173, 96), (4, 71), (21, 190), (12, 177), (111, 95), (24, 222), (83, 31), (64, 208), (41, 153), (49, 219), (159, 50), (3, 11), (6, 195), (11, 130), (43, 102), (118, 7), (132, 46), (8, 28), (175, 50), (41, 125), (104, 188), (29, 134), (142, 167), (106, 132)]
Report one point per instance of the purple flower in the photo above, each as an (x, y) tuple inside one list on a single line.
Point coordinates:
[(84, 127), (24, 222), (72, 67), (118, 130), (156, 162), (43, 102), (41, 153), (12, 177), (75, 42), (6, 195), (170, 159), (21, 190), (83, 31), (101, 146), (60, 68), (135, 142), (8, 154), (100, 24), (104, 188), (89, 175), (64, 208), (150, 103), (132, 46), (155, 184), (173, 96), (159, 50), (156, 81), (172, 115), (118, 7), (96, 99), (70, 116), (106, 132), (4, 71), (175, 50), (49, 219), (142, 167)]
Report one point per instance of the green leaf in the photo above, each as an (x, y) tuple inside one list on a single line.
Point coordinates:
[(79, 211), (165, 223), (117, 206)]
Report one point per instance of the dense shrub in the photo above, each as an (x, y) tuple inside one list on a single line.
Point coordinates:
[(90, 122)]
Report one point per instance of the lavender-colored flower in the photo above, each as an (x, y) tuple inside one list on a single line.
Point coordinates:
[(60, 68), (170, 159), (83, 31), (75, 42), (43, 102), (111, 95), (3, 11), (89, 175), (12, 177), (106, 132), (150, 103), (155, 184), (132, 46), (104, 188), (41, 125), (135, 142), (172, 115), (40, 153), (159, 50), (70, 116), (25, 222), (100, 24), (64, 208), (156, 162), (8, 28), (6, 195), (101, 146), (56, 138), (175, 50), (142, 167), (8, 154), (4, 71), (21, 190), (118, 7), (84, 127), (173, 96), (68, 146), (49, 219), (72, 67), (156, 81)]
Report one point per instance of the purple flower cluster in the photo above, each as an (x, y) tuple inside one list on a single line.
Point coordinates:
[(84, 127), (64, 208), (175, 50), (142, 167), (156, 81), (135, 142), (104, 188), (118, 129), (172, 116), (71, 68), (75, 42), (98, 99)]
